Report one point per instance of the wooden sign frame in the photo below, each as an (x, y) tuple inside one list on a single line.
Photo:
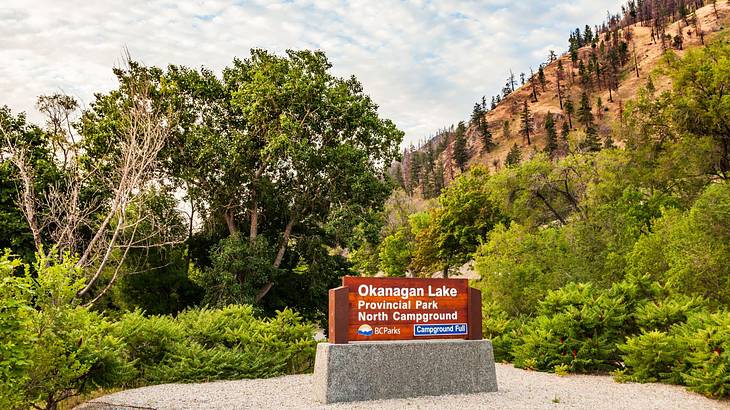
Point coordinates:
[(339, 312)]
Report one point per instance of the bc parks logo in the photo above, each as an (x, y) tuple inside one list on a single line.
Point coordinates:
[(365, 330)]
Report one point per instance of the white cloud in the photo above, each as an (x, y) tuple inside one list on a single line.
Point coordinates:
[(424, 62)]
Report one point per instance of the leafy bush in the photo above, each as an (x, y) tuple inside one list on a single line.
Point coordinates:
[(651, 357), (56, 348), (688, 250), (517, 267), (501, 329), (578, 326), (693, 352), (708, 359), (208, 344), (16, 340)]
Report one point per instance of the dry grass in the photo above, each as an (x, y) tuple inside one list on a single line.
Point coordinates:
[(648, 57)]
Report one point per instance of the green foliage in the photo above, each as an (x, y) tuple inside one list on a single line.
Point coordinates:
[(651, 357), (518, 267), (239, 269), (452, 231), (62, 349), (206, 344), (709, 356), (689, 249), (577, 326), (16, 233), (16, 337), (700, 102), (514, 156), (552, 135), (396, 252), (461, 155)]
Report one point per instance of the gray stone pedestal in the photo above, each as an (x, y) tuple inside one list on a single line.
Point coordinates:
[(387, 370)]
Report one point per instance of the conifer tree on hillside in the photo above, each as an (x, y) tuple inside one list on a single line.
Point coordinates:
[(591, 143), (415, 168), (541, 77), (512, 80), (506, 131), (479, 123), (476, 115), (585, 113), (559, 75), (527, 122), (461, 156), (551, 132), (399, 177), (585, 76), (514, 156), (569, 109), (564, 133), (532, 84), (438, 179)]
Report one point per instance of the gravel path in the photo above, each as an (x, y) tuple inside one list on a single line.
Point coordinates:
[(518, 389)]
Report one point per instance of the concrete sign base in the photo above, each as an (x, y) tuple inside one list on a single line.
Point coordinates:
[(400, 369)]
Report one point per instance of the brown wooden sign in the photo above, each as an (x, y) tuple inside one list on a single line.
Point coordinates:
[(374, 309)]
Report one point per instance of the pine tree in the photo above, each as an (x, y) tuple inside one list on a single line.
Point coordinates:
[(564, 134), (479, 122), (569, 109), (527, 122), (494, 103), (591, 143), (438, 179), (514, 156), (541, 77), (552, 135), (415, 177), (559, 75), (532, 84), (506, 131), (461, 156), (585, 114), (476, 114), (486, 135), (399, 177)]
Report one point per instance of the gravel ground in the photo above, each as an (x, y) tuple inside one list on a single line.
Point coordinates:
[(518, 389)]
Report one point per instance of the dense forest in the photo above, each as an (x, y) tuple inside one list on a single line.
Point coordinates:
[(187, 225)]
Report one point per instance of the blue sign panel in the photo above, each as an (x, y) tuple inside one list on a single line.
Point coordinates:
[(440, 329)]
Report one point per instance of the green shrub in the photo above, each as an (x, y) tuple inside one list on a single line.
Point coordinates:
[(502, 330), (63, 349), (16, 338), (651, 357), (663, 314), (578, 326), (709, 354), (210, 344)]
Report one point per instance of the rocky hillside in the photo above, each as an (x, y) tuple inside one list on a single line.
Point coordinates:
[(643, 44)]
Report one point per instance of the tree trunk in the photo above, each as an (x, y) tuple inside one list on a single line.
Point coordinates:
[(230, 222), (253, 232), (280, 253), (445, 272)]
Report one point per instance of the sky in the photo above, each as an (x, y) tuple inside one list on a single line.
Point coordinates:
[(424, 62)]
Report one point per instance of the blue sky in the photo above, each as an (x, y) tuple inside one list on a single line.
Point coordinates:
[(424, 62)]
